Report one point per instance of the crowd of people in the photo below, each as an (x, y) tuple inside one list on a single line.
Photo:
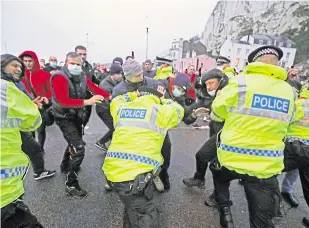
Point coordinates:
[(259, 128)]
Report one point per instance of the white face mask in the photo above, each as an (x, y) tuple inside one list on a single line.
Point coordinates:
[(212, 93), (74, 69)]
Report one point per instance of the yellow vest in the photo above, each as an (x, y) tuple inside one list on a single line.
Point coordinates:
[(257, 108), (18, 113), (164, 73), (141, 125), (299, 129)]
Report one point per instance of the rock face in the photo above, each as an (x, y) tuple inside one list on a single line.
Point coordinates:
[(237, 18)]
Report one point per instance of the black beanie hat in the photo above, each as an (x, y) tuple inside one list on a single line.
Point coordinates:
[(214, 73)]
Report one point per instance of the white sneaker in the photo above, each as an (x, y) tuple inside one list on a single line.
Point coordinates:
[(205, 119), (86, 127), (158, 183)]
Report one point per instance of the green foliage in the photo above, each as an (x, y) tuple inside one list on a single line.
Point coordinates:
[(301, 38)]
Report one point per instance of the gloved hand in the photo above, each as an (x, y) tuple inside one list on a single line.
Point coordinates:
[(200, 112)]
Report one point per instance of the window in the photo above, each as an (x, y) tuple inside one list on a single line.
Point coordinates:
[(289, 45), (269, 42), (247, 51), (174, 54), (283, 64), (287, 56), (238, 51), (174, 46), (261, 42), (280, 44)]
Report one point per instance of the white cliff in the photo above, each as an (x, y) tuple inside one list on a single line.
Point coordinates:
[(238, 18)]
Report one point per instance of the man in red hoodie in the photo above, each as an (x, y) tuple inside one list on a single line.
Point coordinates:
[(69, 99), (193, 78), (37, 83)]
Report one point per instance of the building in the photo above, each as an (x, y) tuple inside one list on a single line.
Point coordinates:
[(238, 50)]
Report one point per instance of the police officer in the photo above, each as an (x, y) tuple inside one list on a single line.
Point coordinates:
[(257, 108), (224, 64), (133, 74), (69, 88), (134, 158), (18, 113), (296, 153), (165, 69)]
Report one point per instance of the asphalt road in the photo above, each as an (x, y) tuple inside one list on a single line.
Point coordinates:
[(180, 207)]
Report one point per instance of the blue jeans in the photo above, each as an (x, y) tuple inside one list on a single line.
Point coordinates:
[(289, 181)]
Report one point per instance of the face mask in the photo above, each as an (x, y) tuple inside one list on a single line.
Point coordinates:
[(53, 64), (176, 93), (75, 69), (212, 93)]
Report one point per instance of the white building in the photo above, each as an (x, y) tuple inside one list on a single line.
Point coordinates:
[(238, 50), (175, 52)]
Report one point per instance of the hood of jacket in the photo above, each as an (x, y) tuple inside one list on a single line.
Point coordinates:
[(5, 59), (36, 66), (267, 70)]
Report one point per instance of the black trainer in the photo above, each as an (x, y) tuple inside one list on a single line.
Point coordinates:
[(101, 146), (75, 190), (44, 174), (193, 181)]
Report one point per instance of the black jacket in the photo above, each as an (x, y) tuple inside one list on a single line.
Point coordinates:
[(87, 69), (108, 85)]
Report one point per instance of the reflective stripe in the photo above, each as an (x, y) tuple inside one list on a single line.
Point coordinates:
[(4, 105), (10, 122), (13, 172), (151, 125), (133, 157), (240, 109), (292, 139), (127, 98), (262, 113), (253, 152), (305, 104), (305, 107), (241, 80)]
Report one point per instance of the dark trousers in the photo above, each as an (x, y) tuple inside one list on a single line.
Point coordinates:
[(206, 154), (107, 119), (140, 210), (263, 195), (17, 215), (41, 133), (89, 111), (296, 156), (75, 151), (33, 149)]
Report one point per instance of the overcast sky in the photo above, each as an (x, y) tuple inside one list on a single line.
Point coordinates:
[(115, 27)]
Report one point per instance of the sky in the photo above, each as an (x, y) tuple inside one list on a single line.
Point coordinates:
[(114, 27)]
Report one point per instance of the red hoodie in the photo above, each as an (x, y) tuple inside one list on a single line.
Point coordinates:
[(39, 79), (191, 91)]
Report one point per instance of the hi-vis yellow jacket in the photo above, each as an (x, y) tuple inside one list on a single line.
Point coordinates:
[(18, 113), (164, 73), (141, 124), (257, 108), (299, 129)]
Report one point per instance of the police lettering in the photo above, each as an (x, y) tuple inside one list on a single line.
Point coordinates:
[(133, 113), (270, 103)]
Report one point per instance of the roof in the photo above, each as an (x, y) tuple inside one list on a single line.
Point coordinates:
[(240, 42), (272, 38)]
